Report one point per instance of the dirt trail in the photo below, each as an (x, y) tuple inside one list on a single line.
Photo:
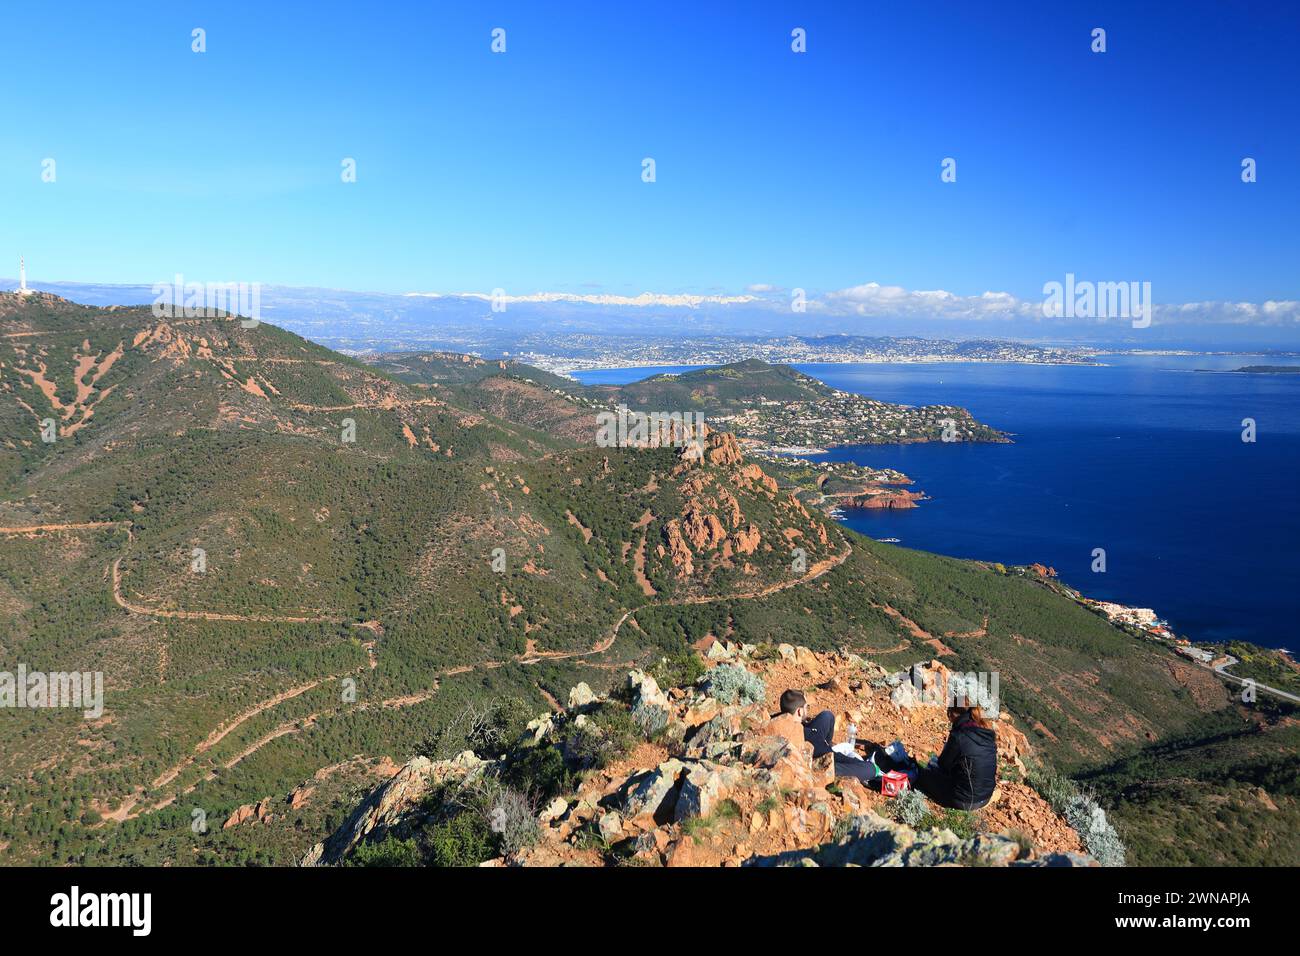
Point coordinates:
[(529, 656), (68, 526), (385, 404), (214, 738), (116, 570), (814, 572), (304, 723)]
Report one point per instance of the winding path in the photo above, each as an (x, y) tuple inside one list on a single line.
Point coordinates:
[(128, 808)]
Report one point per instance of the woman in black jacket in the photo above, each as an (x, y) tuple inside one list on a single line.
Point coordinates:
[(967, 771)]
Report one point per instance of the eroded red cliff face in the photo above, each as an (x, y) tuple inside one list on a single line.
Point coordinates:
[(890, 498)]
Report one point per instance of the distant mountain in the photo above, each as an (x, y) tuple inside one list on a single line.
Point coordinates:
[(383, 322), (291, 566)]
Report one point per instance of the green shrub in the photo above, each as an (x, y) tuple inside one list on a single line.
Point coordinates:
[(608, 734), (680, 670), (963, 823), (540, 771), (387, 852), (1082, 812), (731, 683), (461, 840), (910, 807)]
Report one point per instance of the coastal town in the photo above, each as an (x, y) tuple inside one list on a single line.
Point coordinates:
[(842, 418), (565, 353)]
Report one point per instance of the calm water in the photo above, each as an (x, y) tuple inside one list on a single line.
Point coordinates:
[(1143, 458)]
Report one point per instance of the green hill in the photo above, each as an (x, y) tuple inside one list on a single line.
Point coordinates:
[(289, 565)]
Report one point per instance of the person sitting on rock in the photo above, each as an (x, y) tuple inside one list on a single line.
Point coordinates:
[(966, 772), (820, 732)]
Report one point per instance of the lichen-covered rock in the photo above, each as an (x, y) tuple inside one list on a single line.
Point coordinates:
[(871, 840), (610, 826), (644, 690), (654, 791), (581, 696), (702, 787)]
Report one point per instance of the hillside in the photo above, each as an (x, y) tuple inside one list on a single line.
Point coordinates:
[(724, 390), (292, 568), (764, 405), (700, 775)]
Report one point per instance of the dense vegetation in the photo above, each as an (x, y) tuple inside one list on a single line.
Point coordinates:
[(381, 559)]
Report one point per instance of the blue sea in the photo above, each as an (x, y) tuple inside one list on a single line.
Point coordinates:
[(1142, 457)]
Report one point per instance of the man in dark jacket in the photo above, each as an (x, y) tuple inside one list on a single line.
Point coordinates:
[(967, 770)]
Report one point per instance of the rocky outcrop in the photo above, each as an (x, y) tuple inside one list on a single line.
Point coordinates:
[(729, 784), (722, 449), (259, 812), (893, 499), (389, 806), (871, 840)]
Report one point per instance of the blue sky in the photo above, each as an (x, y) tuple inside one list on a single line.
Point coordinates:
[(522, 170)]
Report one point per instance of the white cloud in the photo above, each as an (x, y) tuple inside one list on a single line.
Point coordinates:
[(644, 299), (873, 300)]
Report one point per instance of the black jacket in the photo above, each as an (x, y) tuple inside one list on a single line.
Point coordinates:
[(970, 762)]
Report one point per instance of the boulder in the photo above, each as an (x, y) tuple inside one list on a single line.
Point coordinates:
[(787, 727), (720, 651), (553, 811), (581, 696), (653, 792), (644, 689), (537, 730), (610, 826), (871, 840), (259, 812), (701, 711), (786, 767), (805, 658), (904, 696), (702, 787), (392, 801)]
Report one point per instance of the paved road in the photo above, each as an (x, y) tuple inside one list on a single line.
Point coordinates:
[(1222, 671)]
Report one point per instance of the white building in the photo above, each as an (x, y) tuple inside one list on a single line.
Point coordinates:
[(22, 277)]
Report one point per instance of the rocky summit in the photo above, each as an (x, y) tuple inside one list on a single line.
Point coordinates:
[(708, 777)]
